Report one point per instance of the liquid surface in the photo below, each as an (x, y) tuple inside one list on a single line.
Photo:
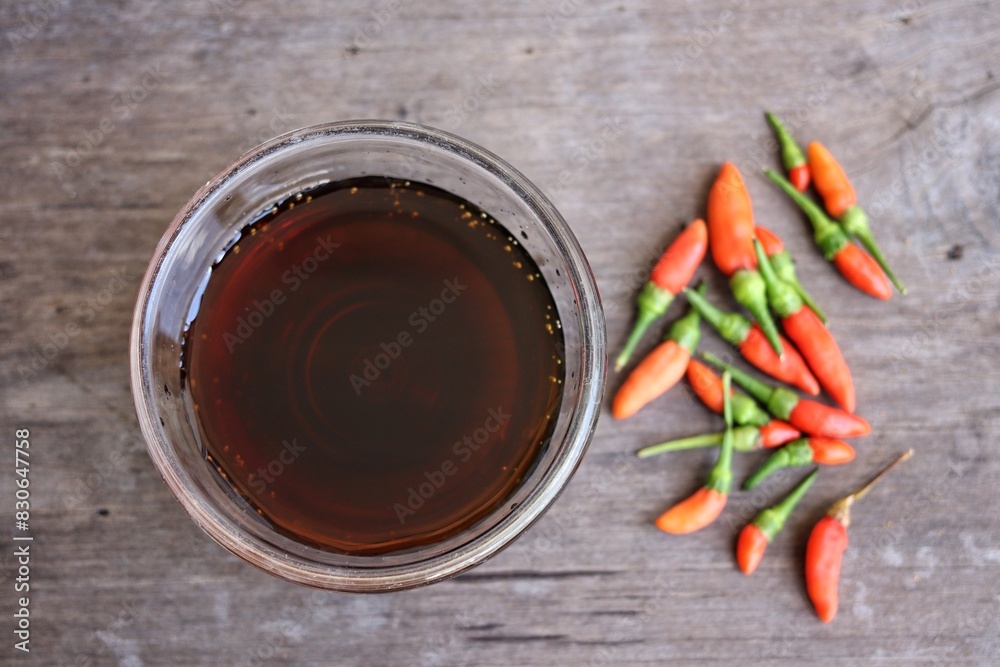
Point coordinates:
[(374, 365)]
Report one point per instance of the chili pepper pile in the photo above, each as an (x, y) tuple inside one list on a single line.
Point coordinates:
[(796, 431)]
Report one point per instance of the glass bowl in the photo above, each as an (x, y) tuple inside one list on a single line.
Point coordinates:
[(280, 168)]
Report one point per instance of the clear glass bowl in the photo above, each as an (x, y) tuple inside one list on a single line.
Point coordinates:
[(282, 167)]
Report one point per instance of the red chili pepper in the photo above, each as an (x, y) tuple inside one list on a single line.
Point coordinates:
[(791, 155), (707, 503), (772, 244), (760, 532), (808, 416), (826, 546), (730, 231), (824, 554), (810, 335), (862, 272), (822, 420), (776, 433), (859, 268), (749, 340), (745, 439), (661, 369), (708, 387), (802, 452), (672, 272), (730, 221), (784, 266), (842, 203)]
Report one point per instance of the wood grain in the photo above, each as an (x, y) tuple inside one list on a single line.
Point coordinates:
[(113, 114)]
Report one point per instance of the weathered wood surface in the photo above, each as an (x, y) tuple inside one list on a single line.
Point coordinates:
[(113, 114)]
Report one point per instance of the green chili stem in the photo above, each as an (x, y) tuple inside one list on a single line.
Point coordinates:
[(692, 442), (828, 235), (772, 520), (733, 327), (727, 399), (686, 331), (779, 401), (721, 476), (745, 439), (747, 412), (652, 303), (791, 154), (782, 296), (776, 461), (855, 222), (809, 301), (794, 454), (757, 389), (750, 291), (784, 267)]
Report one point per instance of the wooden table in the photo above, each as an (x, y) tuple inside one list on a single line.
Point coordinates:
[(113, 114)]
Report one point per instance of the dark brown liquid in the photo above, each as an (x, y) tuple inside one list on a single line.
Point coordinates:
[(374, 365)]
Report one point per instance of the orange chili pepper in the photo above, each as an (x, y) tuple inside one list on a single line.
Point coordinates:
[(694, 513), (842, 203), (826, 546), (672, 272), (730, 233), (661, 369), (730, 222), (706, 504), (810, 335), (831, 181), (760, 532)]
